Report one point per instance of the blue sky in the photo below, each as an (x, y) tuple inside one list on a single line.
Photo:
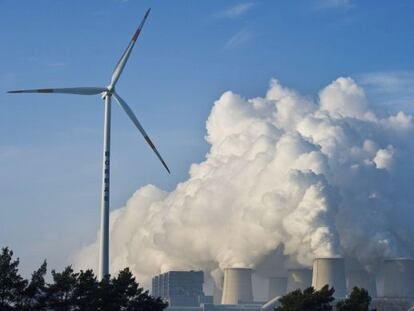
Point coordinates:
[(188, 54)]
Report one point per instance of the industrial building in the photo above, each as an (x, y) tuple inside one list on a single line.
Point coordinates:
[(237, 287), (298, 279), (330, 271), (180, 288), (184, 290)]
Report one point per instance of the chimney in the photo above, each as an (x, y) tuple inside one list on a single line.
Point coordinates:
[(277, 287), (362, 279), (237, 286), (398, 274), (298, 279), (330, 271)]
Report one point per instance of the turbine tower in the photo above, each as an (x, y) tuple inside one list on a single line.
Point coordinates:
[(107, 93)]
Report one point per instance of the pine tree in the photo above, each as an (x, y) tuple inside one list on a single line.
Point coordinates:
[(123, 293), (358, 300), (309, 300), (12, 285), (60, 294), (70, 291), (86, 291), (34, 293)]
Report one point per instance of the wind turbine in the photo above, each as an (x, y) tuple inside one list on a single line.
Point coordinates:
[(107, 93)]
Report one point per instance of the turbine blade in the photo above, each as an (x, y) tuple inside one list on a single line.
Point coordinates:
[(124, 58), (134, 120), (69, 90)]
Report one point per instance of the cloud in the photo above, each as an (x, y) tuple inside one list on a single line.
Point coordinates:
[(238, 39), (236, 10), (383, 158), (394, 88), (287, 178)]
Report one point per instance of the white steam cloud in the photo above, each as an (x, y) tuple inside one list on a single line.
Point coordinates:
[(286, 177)]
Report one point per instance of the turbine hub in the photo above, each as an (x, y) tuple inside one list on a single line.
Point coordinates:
[(110, 89)]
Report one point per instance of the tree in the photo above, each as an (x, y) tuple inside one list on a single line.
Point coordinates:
[(60, 294), (144, 302), (106, 296), (123, 293), (309, 300), (12, 285), (136, 298), (125, 287), (70, 291), (358, 300), (86, 291), (34, 293)]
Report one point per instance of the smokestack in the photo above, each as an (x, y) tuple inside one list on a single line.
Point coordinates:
[(398, 276), (298, 279), (361, 279), (330, 271), (237, 286), (277, 287)]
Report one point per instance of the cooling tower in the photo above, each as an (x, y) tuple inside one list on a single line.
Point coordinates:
[(277, 287), (298, 279), (361, 279), (237, 286), (330, 271), (398, 275)]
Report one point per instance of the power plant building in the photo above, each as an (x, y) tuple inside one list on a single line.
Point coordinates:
[(277, 287), (237, 287), (184, 289), (330, 271), (362, 279), (179, 288), (398, 278), (298, 279)]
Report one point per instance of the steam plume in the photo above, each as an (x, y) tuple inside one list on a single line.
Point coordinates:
[(315, 177)]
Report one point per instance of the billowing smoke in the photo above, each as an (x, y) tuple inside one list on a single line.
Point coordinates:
[(287, 177)]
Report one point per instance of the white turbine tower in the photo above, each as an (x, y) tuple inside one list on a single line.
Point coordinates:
[(107, 93)]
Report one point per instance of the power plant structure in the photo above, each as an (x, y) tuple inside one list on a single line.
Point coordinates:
[(217, 294), (298, 279), (237, 286), (184, 289), (179, 288), (277, 287), (361, 279), (330, 271), (398, 278)]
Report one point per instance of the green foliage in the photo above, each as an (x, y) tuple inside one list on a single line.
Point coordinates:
[(33, 298), (322, 300), (70, 291), (309, 300), (86, 291), (12, 285), (358, 300), (60, 294)]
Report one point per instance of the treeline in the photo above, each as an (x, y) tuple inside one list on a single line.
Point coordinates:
[(323, 300), (70, 290)]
